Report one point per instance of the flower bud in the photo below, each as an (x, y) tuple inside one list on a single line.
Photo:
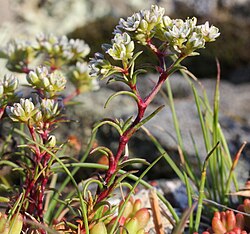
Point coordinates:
[(50, 108), (32, 78), (143, 25)]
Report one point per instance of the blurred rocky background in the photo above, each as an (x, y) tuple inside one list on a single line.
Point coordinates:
[(94, 21)]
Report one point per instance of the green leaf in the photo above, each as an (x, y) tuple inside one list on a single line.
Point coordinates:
[(90, 181), (117, 78), (133, 161), (121, 93), (130, 176), (8, 163), (104, 150), (134, 58), (127, 124), (109, 122), (135, 74)]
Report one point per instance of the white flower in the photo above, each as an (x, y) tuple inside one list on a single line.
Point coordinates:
[(131, 24), (122, 47), (196, 41), (23, 111), (167, 21), (154, 15), (209, 33), (178, 30), (141, 23), (50, 108), (49, 82)]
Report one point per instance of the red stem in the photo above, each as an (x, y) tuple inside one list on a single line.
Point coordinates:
[(142, 105), (36, 188)]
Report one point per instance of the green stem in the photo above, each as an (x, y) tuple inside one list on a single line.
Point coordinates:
[(201, 189)]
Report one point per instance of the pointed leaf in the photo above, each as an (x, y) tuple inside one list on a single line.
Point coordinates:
[(109, 122), (133, 161), (134, 58), (121, 93)]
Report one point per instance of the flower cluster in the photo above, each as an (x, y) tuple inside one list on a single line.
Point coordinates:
[(185, 36), (49, 110), (45, 111), (142, 23), (152, 28), (22, 112), (19, 53), (62, 47), (182, 36), (48, 83), (58, 54)]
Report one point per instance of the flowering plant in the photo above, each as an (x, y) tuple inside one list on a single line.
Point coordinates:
[(84, 211)]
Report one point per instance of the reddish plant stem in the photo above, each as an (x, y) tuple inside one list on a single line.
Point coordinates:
[(125, 137), (33, 135), (36, 186), (142, 105), (43, 182)]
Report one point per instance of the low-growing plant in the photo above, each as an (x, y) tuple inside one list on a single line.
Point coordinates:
[(39, 204)]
